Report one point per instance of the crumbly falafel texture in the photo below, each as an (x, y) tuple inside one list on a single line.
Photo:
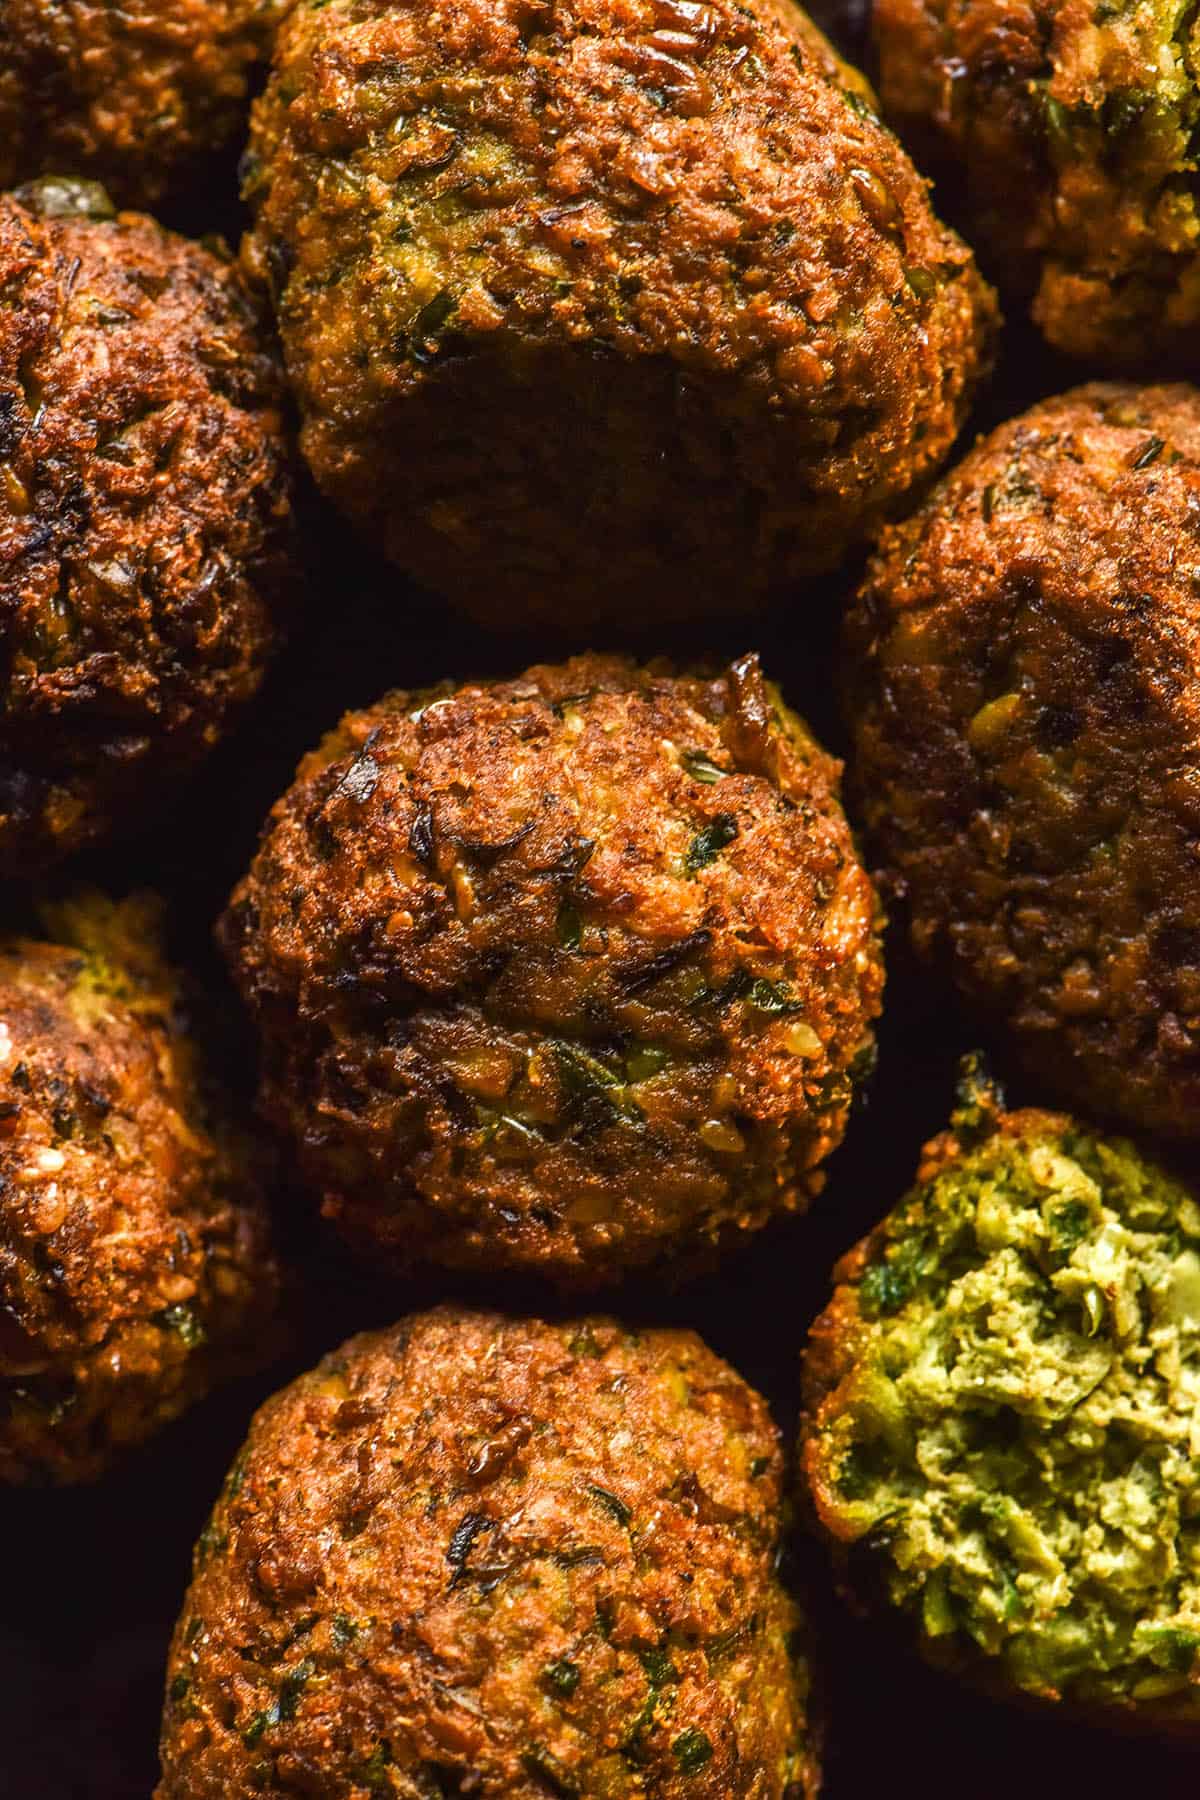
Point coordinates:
[(138, 96), (1065, 138), (493, 1554), (1000, 1435), (606, 305), (146, 564), (135, 1259), (573, 972), (1024, 685)]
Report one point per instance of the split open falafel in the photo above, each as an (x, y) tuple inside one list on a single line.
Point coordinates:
[(135, 1260), (608, 307), (146, 528), (568, 973), (1000, 1434), (475, 1553), (1025, 693)]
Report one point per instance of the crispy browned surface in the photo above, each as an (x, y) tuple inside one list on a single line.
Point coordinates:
[(136, 95), (145, 516), (1026, 693), (1066, 134), (595, 305), (484, 1555), (534, 992), (133, 1244)]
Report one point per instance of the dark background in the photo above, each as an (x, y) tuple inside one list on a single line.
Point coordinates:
[(90, 1580)]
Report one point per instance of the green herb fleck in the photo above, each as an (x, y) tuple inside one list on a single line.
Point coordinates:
[(569, 926), (424, 337), (292, 1687), (771, 997), (692, 1751), (923, 284), (708, 844), (701, 767), (589, 1083), (1069, 1225), (611, 1504), (373, 1773), (343, 1630), (645, 1060), (660, 1670), (1172, 1647), (1149, 453), (886, 1285), (261, 1722), (561, 1677), (184, 1323)]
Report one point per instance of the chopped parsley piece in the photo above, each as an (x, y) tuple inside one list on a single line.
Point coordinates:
[(708, 844)]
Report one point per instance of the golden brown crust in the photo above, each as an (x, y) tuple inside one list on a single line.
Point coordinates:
[(135, 96), (1064, 133), (134, 1257), (565, 972), (483, 1554), (145, 514), (626, 300), (1026, 693)]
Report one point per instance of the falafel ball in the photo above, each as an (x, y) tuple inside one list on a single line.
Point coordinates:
[(137, 96), (1026, 696), (145, 513), (495, 1555), (1066, 135), (564, 973), (624, 299), (1000, 1431), (135, 1265)]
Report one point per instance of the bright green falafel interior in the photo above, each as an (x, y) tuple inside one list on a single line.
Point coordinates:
[(1016, 1430)]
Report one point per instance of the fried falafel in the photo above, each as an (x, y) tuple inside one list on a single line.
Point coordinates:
[(1000, 1428), (1025, 686), (136, 96), (566, 973), (475, 1553), (1067, 136), (145, 513), (603, 304), (135, 1265)]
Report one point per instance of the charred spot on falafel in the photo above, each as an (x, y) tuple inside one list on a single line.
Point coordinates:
[(568, 972), (1000, 1430), (1025, 688), (134, 1257), (471, 1551), (629, 301), (145, 513)]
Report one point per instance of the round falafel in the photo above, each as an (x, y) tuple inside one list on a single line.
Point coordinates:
[(145, 513), (632, 300), (1066, 135), (474, 1553), (135, 1265), (1025, 688), (565, 973), (136, 96), (1000, 1427)]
